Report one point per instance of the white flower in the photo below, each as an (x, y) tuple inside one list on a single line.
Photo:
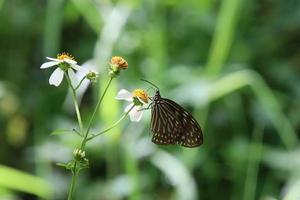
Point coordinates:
[(65, 63), (138, 98)]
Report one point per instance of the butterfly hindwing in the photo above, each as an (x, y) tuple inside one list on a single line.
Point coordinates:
[(190, 132), (172, 124)]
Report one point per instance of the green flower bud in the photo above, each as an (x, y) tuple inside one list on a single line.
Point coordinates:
[(79, 154), (92, 76)]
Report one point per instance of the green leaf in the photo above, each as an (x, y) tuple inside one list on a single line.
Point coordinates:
[(1, 3), (90, 13), (83, 164), (67, 166), (61, 132), (21, 181)]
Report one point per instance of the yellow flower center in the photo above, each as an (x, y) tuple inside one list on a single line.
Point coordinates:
[(141, 94), (65, 55), (119, 62)]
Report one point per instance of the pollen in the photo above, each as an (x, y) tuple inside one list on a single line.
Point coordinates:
[(65, 55), (119, 62), (141, 94)]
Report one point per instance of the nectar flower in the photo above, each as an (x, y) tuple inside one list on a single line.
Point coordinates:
[(117, 63), (137, 98), (141, 95), (65, 63)]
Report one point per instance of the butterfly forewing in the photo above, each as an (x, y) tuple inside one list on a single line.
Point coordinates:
[(164, 125), (172, 124)]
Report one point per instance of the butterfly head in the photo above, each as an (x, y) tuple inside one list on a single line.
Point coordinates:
[(156, 96)]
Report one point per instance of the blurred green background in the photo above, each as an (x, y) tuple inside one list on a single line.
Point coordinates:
[(233, 63)]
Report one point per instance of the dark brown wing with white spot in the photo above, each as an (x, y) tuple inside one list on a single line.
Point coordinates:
[(172, 124), (190, 132)]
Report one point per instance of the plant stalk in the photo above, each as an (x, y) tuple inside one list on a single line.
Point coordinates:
[(83, 143), (74, 97), (113, 126), (73, 181), (94, 114)]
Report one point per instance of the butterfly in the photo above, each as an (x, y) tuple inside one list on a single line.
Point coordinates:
[(172, 124)]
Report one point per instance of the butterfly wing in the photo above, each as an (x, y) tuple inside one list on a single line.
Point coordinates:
[(172, 124), (164, 124)]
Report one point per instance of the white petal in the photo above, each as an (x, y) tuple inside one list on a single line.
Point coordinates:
[(56, 77), (49, 64), (136, 114), (54, 59), (73, 77), (124, 95), (128, 107), (71, 62), (79, 68)]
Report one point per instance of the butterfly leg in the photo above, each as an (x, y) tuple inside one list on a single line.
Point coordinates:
[(149, 107)]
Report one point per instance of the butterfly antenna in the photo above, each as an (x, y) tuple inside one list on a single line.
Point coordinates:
[(150, 83), (151, 98)]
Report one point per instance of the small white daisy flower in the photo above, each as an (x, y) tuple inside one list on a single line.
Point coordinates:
[(138, 98), (65, 63)]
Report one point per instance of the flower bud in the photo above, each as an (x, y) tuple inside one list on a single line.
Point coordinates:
[(92, 76), (117, 64), (79, 154)]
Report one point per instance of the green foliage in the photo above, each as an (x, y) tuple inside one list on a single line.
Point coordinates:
[(59, 132), (234, 64), (18, 180)]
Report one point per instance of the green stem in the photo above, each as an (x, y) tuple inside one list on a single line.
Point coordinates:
[(94, 114), (79, 83), (74, 170), (85, 139), (254, 159), (74, 97), (73, 182), (113, 126)]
